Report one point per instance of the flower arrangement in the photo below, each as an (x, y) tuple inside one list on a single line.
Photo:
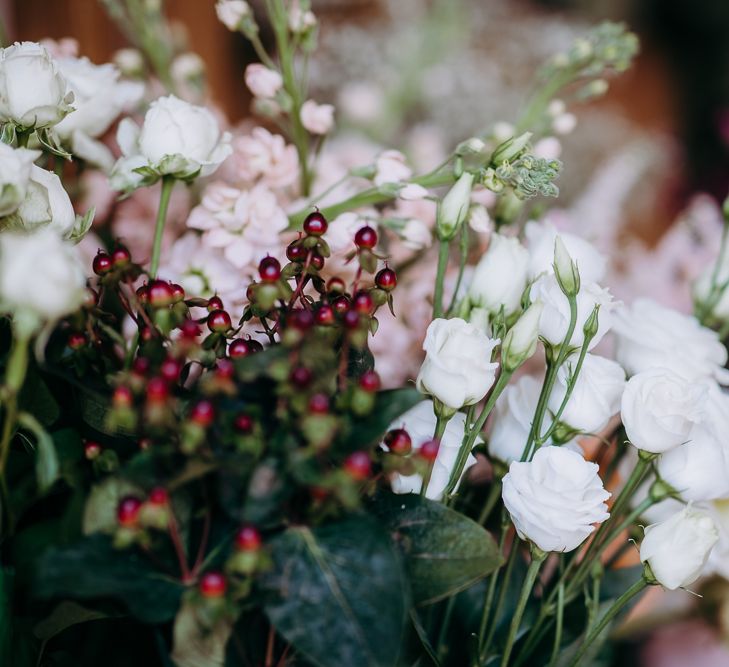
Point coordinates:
[(199, 462)]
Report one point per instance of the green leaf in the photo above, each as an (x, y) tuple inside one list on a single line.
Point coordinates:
[(6, 616), (445, 551), (47, 468), (64, 616), (93, 569), (37, 400), (338, 593)]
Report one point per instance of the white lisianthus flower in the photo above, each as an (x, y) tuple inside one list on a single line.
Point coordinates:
[(555, 499), (512, 419), (177, 139), (263, 81), (677, 549), (46, 204), (457, 369), (540, 238), (659, 409), (231, 13), (15, 167), (479, 220), (41, 277), (317, 118), (596, 394), (33, 93), (555, 319), (99, 98), (419, 422), (500, 276)]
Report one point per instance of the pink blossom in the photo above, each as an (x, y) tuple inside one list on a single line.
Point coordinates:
[(263, 156), (317, 118), (391, 168), (263, 81)]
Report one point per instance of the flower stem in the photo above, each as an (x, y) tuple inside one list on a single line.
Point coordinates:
[(443, 249), (611, 613), (440, 427), (168, 183), (461, 267), (538, 557)]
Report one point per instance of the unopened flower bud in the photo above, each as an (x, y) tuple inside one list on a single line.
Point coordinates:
[(454, 207), (232, 13), (472, 146), (565, 270), (511, 149), (592, 323), (520, 341)]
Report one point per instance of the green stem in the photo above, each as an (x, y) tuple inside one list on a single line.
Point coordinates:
[(440, 427), (560, 621), (443, 248), (168, 183), (442, 647), (491, 500), (538, 557), (461, 267), (611, 613)]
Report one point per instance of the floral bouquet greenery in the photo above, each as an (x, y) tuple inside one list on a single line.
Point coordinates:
[(201, 473)]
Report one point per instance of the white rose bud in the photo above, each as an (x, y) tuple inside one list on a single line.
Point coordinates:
[(33, 93), (652, 336), (555, 319), (659, 409), (232, 13), (454, 207), (520, 342), (317, 118), (263, 81), (41, 277), (47, 204), (677, 549), (15, 166), (555, 499), (457, 370), (500, 276), (596, 395), (419, 422), (566, 271)]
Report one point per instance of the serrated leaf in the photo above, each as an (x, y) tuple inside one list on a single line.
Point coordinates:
[(445, 551), (338, 594)]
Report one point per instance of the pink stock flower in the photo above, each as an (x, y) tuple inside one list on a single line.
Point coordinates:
[(317, 118)]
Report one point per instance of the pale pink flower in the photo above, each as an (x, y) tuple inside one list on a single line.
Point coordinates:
[(263, 156), (263, 81), (416, 235), (361, 102), (391, 168), (66, 47), (549, 148), (317, 118), (412, 192)]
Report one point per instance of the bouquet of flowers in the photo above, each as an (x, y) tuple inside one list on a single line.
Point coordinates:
[(200, 464)]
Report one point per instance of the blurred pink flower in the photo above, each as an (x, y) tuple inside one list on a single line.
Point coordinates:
[(262, 156), (317, 118)]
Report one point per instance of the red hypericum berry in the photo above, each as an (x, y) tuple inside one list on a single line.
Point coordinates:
[(102, 263), (315, 224), (269, 269), (160, 293), (336, 285), (324, 314), (213, 585), (225, 369), (122, 397), (219, 321), (243, 424), (301, 376), (127, 511), (145, 333), (319, 404), (240, 348), (157, 390), (429, 450), (140, 366), (143, 294), (178, 292), (251, 292), (159, 496), (300, 319), (365, 238), (170, 369), (248, 538), (76, 340), (190, 329), (351, 319), (363, 303), (203, 413), (92, 450), (254, 345), (91, 298), (370, 381), (386, 279), (295, 252), (358, 466), (398, 441), (340, 304), (317, 261), (215, 303), (145, 444), (120, 256)]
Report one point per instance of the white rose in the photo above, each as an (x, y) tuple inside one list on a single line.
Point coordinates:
[(15, 166), (457, 369), (263, 81), (512, 419), (677, 549), (317, 118), (555, 319), (232, 12), (47, 204), (177, 138), (659, 409), (540, 237), (419, 422), (649, 335), (596, 394), (41, 276), (33, 93), (555, 498), (500, 276)]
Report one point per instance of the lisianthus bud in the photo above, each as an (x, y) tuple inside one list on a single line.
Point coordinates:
[(568, 276), (511, 149), (454, 207), (472, 146), (677, 549), (232, 13), (520, 341)]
